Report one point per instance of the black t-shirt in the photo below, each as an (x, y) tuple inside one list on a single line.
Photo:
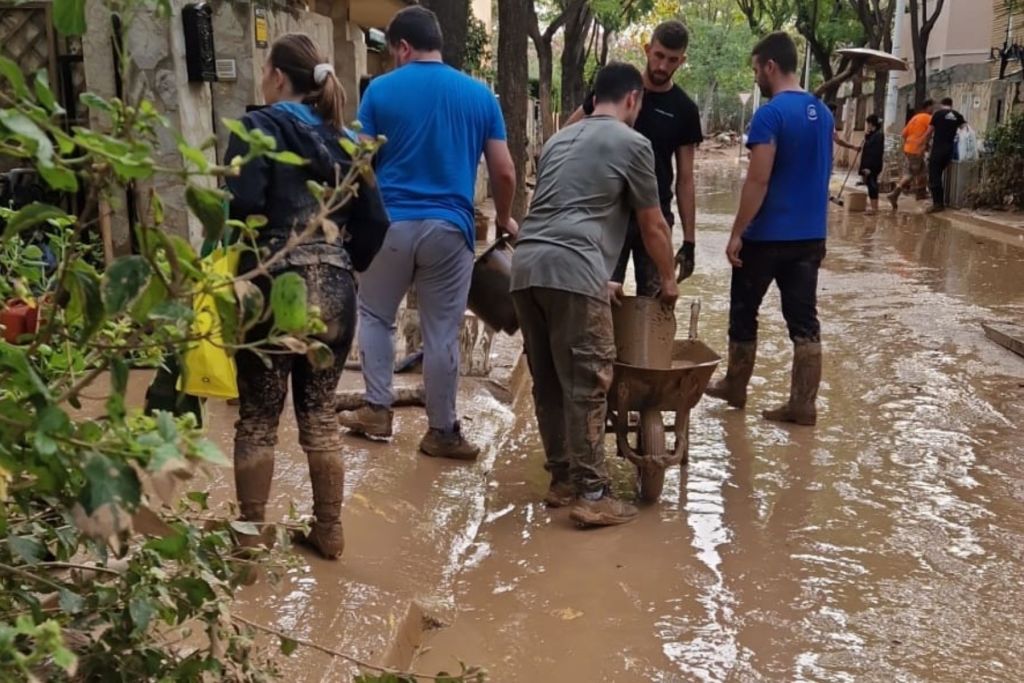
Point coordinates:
[(946, 123), (669, 120)]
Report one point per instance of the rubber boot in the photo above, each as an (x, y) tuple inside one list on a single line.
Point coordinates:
[(327, 474), (733, 387), (803, 392), (254, 471)]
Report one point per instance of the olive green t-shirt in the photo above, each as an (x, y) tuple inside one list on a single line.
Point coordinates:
[(591, 176)]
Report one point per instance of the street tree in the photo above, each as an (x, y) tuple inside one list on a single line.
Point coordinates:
[(453, 15), (543, 43), (513, 88), (876, 17), (765, 16), (921, 24)]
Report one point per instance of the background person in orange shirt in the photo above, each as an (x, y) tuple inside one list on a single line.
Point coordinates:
[(915, 144)]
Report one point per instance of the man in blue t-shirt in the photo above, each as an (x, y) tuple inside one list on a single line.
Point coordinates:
[(437, 121), (780, 229)]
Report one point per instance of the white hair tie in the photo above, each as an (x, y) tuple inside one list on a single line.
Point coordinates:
[(320, 73)]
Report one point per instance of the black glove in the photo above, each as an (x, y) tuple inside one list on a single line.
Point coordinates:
[(686, 261)]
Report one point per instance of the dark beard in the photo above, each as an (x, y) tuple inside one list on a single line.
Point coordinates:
[(657, 80)]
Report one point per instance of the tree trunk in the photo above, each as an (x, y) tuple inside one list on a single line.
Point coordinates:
[(574, 53), (453, 15), (921, 25), (513, 88)]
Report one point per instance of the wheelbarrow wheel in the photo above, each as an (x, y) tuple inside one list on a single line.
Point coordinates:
[(650, 476)]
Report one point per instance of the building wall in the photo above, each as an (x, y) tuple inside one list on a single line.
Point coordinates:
[(1007, 22), (483, 10), (961, 35)]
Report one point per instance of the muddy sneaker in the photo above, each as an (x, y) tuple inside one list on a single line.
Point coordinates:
[(370, 420), (560, 494), (605, 511), (453, 445)]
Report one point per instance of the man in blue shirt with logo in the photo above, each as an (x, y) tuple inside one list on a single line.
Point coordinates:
[(437, 121), (780, 228)]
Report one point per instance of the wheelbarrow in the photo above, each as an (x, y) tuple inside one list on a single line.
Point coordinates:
[(655, 373)]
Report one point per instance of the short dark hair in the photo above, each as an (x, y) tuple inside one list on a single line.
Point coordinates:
[(874, 120), (417, 26), (927, 103), (616, 80), (777, 47), (947, 101), (671, 34)]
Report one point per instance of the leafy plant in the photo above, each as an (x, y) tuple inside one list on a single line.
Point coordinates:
[(108, 569), (1002, 182)]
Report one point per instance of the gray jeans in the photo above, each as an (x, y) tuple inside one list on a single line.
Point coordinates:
[(432, 255)]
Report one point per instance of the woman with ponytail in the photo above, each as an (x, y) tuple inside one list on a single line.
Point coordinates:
[(304, 111)]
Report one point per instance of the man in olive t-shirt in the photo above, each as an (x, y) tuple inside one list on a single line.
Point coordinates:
[(590, 177)]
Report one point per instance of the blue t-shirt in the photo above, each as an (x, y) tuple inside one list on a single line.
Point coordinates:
[(796, 205), (437, 121)]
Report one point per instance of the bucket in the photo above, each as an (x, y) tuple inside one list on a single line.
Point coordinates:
[(645, 330), (489, 295)]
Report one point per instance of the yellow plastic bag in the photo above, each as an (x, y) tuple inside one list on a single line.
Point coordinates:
[(207, 369)]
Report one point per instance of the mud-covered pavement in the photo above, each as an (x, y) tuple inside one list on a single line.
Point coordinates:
[(887, 544)]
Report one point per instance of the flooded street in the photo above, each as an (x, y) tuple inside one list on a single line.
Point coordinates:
[(887, 544)]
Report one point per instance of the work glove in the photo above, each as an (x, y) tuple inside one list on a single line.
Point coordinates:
[(685, 261)]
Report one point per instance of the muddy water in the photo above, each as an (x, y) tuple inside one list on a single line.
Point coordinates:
[(887, 544)]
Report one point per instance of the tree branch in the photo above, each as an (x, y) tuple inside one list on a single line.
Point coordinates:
[(475, 674)]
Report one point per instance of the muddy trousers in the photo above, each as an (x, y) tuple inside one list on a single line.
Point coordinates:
[(434, 256), (793, 266), (646, 273), (262, 391), (570, 347)]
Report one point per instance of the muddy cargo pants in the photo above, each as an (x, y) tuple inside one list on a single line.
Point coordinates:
[(570, 347), (262, 391)]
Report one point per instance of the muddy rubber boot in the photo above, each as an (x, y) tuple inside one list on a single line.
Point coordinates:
[(327, 474), (370, 420), (452, 445), (560, 494), (803, 392), (254, 471), (733, 387), (605, 511)]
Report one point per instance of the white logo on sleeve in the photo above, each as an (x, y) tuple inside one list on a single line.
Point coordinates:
[(812, 112)]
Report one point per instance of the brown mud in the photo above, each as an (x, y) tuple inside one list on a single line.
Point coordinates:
[(885, 544)]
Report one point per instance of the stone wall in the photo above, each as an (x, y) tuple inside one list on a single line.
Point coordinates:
[(234, 38), (158, 72)]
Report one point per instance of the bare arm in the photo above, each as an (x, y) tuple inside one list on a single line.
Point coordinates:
[(755, 187), (502, 172), (576, 117), (841, 142), (686, 193), (657, 239), (927, 137)]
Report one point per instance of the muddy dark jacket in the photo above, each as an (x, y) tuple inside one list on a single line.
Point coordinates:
[(873, 153), (278, 191)]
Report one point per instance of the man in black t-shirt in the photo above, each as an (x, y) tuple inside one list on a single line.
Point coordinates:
[(671, 121), (946, 122)]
